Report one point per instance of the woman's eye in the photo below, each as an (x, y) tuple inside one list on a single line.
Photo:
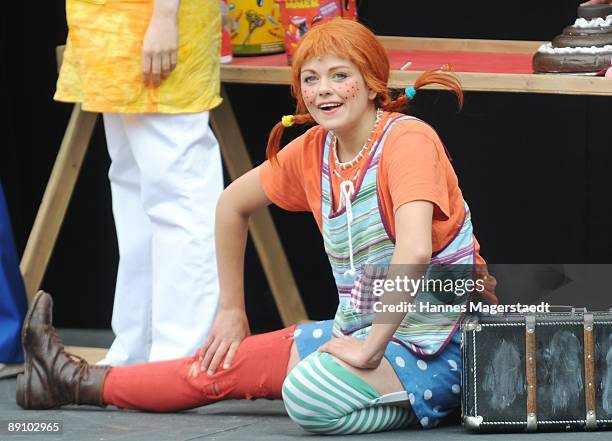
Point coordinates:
[(340, 76), (309, 79)]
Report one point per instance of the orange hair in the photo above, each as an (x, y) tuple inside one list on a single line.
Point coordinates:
[(352, 41)]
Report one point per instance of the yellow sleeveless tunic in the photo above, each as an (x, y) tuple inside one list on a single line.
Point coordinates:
[(102, 62)]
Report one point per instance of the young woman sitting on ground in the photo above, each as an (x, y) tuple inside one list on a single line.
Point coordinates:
[(382, 190)]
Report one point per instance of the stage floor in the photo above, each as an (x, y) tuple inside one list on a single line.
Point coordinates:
[(229, 420)]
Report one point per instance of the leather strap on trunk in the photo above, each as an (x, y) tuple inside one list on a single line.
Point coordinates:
[(530, 372), (589, 372)]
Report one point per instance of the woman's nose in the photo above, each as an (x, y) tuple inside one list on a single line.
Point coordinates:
[(324, 87)]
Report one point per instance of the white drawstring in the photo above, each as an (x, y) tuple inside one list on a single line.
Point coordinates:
[(347, 190)]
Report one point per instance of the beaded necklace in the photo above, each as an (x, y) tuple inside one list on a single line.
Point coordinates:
[(364, 149)]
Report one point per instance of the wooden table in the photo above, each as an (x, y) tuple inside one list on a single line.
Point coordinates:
[(429, 53), (507, 70)]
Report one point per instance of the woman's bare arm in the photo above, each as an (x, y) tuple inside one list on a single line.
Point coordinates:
[(236, 204)]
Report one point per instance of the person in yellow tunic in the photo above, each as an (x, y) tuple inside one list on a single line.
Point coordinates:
[(152, 68)]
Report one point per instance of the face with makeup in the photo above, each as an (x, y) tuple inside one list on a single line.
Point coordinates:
[(336, 95)]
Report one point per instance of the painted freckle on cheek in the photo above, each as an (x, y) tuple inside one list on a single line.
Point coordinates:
[(309, 97), (351, 91)]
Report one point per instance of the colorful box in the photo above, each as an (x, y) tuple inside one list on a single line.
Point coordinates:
[(256, 27), (298, 16)]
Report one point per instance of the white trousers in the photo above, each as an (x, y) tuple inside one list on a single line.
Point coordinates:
[(166, 177)]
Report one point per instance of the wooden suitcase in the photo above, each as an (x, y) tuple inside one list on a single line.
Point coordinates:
[(541, 372)]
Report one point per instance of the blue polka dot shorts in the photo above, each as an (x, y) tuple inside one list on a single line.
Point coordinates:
[(433, 384)]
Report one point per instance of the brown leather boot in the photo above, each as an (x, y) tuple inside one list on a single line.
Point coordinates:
[(52, 377)]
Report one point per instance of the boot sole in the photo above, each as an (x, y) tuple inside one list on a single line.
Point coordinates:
[(23, 380), (21, 391)]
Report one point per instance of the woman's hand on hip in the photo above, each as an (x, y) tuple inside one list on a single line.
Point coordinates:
[(353, 352), (230, 328)]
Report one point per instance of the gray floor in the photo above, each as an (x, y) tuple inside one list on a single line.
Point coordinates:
[(230, 420)]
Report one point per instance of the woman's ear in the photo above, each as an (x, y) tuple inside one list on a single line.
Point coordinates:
[(371, 94)]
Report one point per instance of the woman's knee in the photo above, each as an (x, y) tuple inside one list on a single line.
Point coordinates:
[(319, 393), (306, 399), (337, 405)]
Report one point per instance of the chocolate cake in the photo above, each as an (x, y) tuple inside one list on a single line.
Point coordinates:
[(583, 48)]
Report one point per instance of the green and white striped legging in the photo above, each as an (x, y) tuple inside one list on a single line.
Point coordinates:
[(323, 397)]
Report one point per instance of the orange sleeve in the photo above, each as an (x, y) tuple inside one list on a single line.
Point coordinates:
[(415, 171), (283, 182)]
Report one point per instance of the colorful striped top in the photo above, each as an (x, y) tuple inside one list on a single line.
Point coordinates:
[(360, 249)]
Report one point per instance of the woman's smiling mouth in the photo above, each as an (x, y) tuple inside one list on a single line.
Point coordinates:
[(330, 107)]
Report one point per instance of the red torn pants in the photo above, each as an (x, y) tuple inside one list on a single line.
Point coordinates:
[(258, 371)]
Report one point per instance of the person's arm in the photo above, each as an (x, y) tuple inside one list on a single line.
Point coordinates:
[(237, 203), (413, 222), (161, 40), (596, 2)]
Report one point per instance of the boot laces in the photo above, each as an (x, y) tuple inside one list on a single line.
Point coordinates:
[(82, 364)]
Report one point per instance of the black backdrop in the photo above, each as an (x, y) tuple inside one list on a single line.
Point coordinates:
[(534, 168)]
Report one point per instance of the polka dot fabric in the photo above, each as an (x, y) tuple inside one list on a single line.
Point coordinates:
[(309, 336), (433, 383)]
